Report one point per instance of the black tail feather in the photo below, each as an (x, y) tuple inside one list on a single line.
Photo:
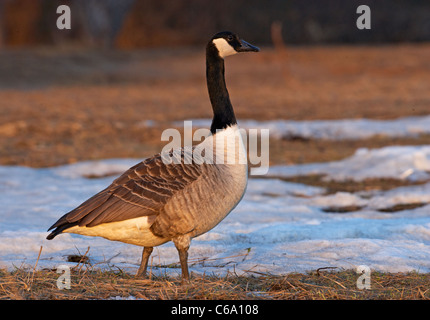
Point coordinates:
[(60, 229)]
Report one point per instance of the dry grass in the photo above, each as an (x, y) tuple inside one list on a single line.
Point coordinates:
[(87, 283)]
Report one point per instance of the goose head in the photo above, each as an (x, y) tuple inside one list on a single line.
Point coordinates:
[(228, 43)]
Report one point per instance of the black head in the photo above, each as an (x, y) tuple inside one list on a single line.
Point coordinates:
[(228, 43)]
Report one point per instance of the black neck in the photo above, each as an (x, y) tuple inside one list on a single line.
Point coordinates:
[(218, 94)]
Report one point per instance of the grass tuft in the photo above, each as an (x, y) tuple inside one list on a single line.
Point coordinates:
[(322, 284)]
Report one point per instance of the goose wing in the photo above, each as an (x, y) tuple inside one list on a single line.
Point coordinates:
[(142, 190)]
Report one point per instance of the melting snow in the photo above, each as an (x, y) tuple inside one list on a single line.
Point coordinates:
[(278, 227)]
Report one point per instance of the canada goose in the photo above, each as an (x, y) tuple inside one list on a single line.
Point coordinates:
[(154, 202)]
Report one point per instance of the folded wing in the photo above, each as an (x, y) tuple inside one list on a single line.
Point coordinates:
[(143, 190)]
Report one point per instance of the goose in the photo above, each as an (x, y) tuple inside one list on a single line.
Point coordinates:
[(158, 200)]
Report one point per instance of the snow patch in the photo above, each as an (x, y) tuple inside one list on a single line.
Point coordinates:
[(279, 227)]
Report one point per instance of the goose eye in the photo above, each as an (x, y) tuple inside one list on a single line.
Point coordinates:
[(230, 38)]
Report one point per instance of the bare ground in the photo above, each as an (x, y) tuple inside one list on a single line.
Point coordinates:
[(59, 107)]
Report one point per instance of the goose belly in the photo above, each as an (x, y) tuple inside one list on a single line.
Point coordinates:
[(133, 231), (226, 193), (207, 202)]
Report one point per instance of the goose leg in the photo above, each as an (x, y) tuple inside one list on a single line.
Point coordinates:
[(144, 263), (182, 243), (183, 258)]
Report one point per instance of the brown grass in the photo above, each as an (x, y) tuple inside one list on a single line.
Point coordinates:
[(321, 284)]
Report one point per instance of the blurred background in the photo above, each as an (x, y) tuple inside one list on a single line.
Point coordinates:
[(127, 69), (129, 24)]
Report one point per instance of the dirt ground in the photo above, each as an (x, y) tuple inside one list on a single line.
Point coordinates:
[(62, 106)]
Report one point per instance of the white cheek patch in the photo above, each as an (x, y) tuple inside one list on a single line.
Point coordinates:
[(224, 48)]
